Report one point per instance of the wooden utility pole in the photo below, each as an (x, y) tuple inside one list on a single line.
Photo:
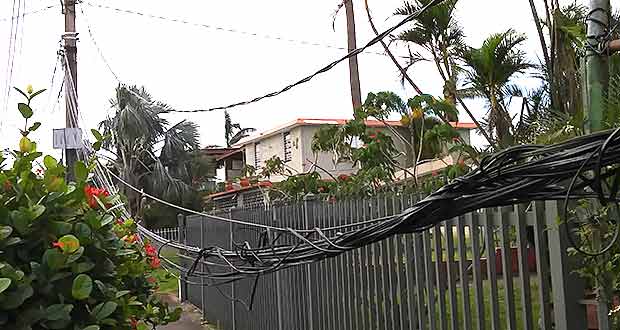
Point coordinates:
[(354, 75), (70, 43)]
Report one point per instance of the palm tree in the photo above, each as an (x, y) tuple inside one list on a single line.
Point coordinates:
[(233, 132), (490, 69), (150, 153), (440, 35)]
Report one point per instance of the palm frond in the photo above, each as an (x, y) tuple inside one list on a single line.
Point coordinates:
[(243, 133), (180, 139)]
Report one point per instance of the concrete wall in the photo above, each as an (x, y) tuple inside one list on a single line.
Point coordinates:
[(303, 157)]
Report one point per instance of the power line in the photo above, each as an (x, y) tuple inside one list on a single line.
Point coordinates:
[(225, 29), (12, 18), (306, 79)]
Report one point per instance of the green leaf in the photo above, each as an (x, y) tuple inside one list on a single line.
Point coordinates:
[(82, 267), (37, 93), (76, 255), (70, 244), (4, 283), (21, 92), (81, 172), (54, 259), (82, 231), (14, 299), (104, 310), (58, 312), (96, 134), (107, 219), (82, 287), (50, 162), (91, 327), (12, 241), (97, 145), (25, 110), (36, 211), (34, 127), (59, 228), (5, 231), (122, 293)]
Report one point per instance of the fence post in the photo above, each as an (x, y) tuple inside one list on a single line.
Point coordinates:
[(278, 275), (232, 285), (182, 240), (567, 287), (309, 222)]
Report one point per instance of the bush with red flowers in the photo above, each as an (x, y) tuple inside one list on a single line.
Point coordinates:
[(67, 259)]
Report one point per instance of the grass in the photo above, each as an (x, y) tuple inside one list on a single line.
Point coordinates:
[(501, 303), (167, 283)]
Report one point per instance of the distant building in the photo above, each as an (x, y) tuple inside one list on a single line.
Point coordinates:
[(292, 144)]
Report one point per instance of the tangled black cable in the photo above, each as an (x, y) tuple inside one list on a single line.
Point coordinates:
[(516, 175)]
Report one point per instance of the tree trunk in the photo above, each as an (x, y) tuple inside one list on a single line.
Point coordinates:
[(354, 76)]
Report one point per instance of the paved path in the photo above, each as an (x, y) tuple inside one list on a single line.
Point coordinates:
[(191, 319)]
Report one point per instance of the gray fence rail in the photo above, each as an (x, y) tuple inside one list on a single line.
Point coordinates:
[(504, 268), (168, 233)]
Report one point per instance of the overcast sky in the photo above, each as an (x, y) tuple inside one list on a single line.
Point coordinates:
[(195, 67)]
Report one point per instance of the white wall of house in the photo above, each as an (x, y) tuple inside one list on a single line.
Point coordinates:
[(301, 155)]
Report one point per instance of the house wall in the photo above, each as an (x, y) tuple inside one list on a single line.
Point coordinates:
[(303, 157)]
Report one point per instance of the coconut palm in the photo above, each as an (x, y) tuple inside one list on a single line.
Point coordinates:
[(438, 32), (150, 153), (490, 70), (233, 132)]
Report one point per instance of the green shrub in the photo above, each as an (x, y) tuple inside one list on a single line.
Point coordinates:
[(67, 259)]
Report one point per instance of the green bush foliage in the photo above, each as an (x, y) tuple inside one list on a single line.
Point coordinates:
[(67, 258)]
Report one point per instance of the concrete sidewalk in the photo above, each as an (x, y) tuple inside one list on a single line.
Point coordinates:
[(191, 319)]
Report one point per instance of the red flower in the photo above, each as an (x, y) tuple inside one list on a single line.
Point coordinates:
[(151, 280), (8, 185), (93, 193), (120, 221), (134, 323), (462, 163), (321, 189), (343, 177), (59, 245), (373, 136), (151, 251), (434, 173), (155, 262)]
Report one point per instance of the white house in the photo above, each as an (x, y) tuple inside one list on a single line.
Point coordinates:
[(292, 142)]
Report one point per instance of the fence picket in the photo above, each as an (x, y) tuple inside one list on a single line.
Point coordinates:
[(474, 232), (435, 279), (507, 269)]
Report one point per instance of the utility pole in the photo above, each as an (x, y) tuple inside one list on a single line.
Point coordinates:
[(70, 43), (354, 75), (596, 83), (597, 73)]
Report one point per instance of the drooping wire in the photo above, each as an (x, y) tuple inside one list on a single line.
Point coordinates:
[(225, 29), (40, 10), (324, 69)]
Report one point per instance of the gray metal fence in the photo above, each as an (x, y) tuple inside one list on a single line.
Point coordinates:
[(168, 233), (493, 269)]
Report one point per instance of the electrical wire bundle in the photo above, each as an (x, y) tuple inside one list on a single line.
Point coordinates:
[(516, 175)]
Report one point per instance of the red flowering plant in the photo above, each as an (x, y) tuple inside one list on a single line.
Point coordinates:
[(68, 260)]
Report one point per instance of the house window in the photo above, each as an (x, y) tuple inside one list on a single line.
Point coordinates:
[(288, 147), (257, 156)]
